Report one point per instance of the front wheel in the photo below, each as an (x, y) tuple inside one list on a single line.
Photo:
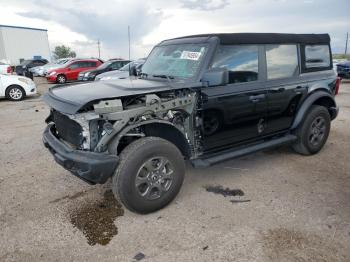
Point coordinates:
[(149, 175), (313, 132), (15, 93), (61, 79)]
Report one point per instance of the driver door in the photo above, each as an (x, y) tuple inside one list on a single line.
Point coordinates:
[(236, 112), (74, 69)]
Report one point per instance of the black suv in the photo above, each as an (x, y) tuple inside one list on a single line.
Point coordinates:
[(110, 65), (201, 98), (24, 67)]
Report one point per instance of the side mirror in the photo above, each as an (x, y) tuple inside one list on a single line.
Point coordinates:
[(69, 68), (216, 77)]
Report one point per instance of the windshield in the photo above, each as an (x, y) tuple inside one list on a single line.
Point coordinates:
[(179, 60), (105, 65), (131, 64), (62, 61), (26, 62)]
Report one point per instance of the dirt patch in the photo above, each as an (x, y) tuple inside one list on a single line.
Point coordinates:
[(224, 191), (289, 245), (70, 197), (96, 219)]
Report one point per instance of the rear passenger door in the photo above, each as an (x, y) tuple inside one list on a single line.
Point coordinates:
[(235, 112), (285, 89)]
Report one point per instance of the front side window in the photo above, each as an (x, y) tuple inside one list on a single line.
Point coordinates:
[(116, 65), (317, 56), (240, 60), (282, 61), (74, 65), (178, 60)]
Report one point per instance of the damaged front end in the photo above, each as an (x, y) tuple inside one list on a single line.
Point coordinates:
[(88, 142)]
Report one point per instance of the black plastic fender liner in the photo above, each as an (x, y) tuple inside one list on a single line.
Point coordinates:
[(309, 101)]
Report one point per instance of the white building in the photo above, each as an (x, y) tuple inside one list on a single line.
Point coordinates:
[(18, 43)]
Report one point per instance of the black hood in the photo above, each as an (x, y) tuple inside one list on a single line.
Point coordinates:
[(70, 99)]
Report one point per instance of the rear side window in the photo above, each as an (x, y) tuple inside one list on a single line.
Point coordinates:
[(240, 60), (282, 61), (91, 64), (317, 56)]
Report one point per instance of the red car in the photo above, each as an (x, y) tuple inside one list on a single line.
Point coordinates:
[(71, 70)]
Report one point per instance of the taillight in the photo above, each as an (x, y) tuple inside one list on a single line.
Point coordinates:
[(337, 85), (9, 69)]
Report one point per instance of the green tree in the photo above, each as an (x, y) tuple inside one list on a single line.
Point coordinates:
[(63, 51)]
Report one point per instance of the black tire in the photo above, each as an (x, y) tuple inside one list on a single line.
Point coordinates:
[(15, 93), (61, 79), (133, 165), (317, 123)]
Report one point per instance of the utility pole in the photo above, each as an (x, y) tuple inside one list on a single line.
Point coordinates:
[(99, 49), (129, 40), (129, 48), (346, 43)]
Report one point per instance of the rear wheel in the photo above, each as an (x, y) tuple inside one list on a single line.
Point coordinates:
[(149, 175), (313, 132), (61, 79), (15, 93)]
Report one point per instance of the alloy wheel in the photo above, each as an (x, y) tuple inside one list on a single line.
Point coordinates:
[(15, 93), (317, 131), (154, 178)]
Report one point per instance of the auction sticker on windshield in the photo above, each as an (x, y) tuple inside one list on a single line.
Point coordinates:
[(190, 55)]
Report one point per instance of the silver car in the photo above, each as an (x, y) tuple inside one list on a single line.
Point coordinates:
[(123, 72)]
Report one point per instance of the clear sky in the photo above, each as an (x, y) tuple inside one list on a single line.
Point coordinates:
[(80, 23)]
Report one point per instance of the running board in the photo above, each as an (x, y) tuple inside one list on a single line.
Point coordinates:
[(214, 159)]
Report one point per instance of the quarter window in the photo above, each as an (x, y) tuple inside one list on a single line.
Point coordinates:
[(282, 61), (240, 60), (317, 56)]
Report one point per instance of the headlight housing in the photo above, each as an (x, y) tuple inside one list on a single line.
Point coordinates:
[(87, 74)]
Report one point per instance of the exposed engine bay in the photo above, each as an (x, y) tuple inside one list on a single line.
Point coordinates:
[(128, 118)]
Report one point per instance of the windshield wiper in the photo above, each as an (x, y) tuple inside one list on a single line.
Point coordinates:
[(165, 76)]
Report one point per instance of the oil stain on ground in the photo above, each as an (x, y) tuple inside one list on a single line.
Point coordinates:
[(224, 191), (96, 219)]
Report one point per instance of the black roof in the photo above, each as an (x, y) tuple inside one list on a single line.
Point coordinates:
[(265, 38)]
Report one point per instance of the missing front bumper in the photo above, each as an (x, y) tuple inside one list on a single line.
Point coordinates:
[(93, 168)]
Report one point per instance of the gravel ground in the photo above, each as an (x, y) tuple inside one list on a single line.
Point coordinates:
[(270, 206)]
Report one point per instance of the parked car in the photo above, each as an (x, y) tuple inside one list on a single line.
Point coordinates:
[(343, 69), (28, 64), (40, 70), (15, 87), (109, 66), (71, 70), (123, 72), (5, 69), (262, 88)]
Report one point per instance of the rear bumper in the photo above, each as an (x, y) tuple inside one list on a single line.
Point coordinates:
[(92, 167)]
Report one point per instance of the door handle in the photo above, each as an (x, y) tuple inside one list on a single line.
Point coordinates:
[(257, 98), (299, 89)]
